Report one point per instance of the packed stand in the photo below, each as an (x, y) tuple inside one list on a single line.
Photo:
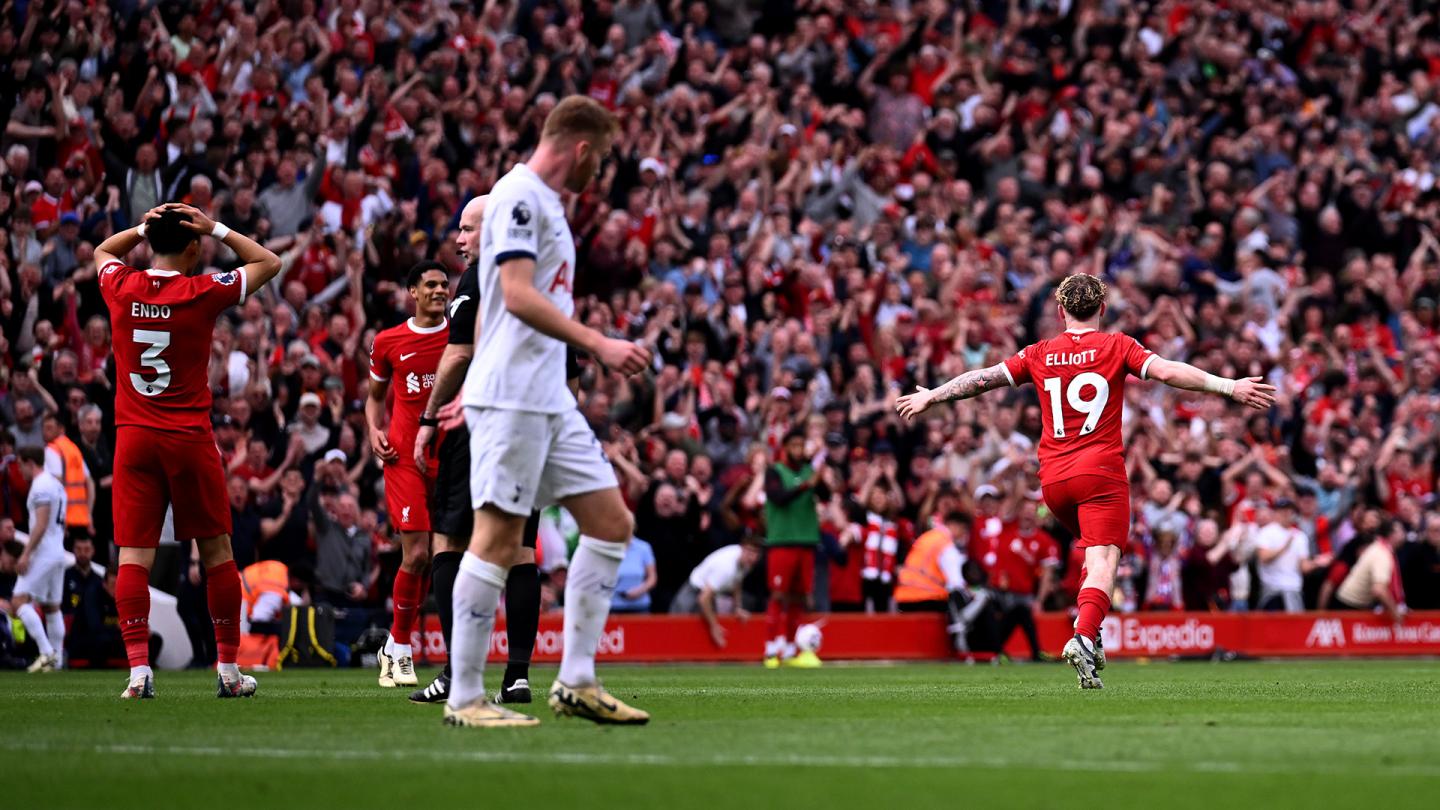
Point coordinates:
[(813, 206)]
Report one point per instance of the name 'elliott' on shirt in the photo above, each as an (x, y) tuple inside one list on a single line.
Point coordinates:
[(1070, 358)]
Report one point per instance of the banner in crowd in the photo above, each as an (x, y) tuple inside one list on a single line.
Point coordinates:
[(849, 636)]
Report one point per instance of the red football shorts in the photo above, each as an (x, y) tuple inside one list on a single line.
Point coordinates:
[(790, 569), (157, 469), (407, 497), (1094, 508)]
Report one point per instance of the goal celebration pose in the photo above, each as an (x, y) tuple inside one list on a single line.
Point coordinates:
[(163, 320), (409, 353), (1081, 374)]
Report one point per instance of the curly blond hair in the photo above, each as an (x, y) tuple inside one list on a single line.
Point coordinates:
[(1081, 295)]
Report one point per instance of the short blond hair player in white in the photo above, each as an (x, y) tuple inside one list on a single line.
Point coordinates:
[(529, 446)]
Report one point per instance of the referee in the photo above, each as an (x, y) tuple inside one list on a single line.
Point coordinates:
[(450, 511)]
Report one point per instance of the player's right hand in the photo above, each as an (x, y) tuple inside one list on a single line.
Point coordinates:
[(623, 356), (912, 405), (717, 635), (1250, 391), (380, 446)]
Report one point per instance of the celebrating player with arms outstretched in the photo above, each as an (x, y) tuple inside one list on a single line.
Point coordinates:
[(1082, 461), (163, 321), (529, 444), (410, 352)]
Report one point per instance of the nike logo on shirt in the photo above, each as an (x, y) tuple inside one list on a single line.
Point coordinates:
[(405, 357)]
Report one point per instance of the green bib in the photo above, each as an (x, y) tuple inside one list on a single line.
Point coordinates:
[(797, 522)]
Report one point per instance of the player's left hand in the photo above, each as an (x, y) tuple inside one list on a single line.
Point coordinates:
[(22, 567), (1250, 391), (198, 223), (912, 405)]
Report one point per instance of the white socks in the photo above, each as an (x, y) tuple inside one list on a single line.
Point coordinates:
[(477, 597), (55, 629), (588, 590), (396, 650), (136, 672), (35, 626)]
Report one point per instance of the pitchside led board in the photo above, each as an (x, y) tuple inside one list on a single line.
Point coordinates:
[(922, 637)]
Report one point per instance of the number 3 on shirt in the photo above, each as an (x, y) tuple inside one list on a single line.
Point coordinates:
[(1092, 407), (150, 359)]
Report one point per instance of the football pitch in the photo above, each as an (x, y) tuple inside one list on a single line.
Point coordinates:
[(1262, 734)]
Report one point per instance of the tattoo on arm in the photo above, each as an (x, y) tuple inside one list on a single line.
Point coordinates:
[(972, 384)]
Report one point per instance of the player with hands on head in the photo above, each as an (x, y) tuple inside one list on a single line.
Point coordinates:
[(1081, 374), (163, 322)]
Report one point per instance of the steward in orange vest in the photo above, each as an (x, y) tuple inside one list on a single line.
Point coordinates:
[(79, 486), (265, 577), (924, 583)]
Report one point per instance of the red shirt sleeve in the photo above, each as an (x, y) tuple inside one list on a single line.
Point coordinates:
[(1137, 357), (380, 369), (1017, 368), (218, 292)]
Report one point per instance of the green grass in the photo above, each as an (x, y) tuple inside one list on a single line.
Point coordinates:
[(1165, 735)]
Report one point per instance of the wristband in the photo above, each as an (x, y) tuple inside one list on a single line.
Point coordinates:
[(220, 231), (140, 229), (429, 421), (1219, 385)]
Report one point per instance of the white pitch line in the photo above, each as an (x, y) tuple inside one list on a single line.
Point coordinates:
[(700, 761)]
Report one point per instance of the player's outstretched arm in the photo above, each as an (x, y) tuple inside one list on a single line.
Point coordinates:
[(517, 284), (967, 385), (260, 265), (1248, 391)]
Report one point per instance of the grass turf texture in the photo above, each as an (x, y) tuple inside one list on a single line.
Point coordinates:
[(1267, 734)]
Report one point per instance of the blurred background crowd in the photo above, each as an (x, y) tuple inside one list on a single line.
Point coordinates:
[(813, 206)]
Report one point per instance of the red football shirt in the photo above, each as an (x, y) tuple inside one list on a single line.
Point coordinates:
[(163, 324), (1081, 377), (411, 354), (1019, 559)]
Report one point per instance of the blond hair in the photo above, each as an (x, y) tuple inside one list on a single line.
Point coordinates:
[(579, 118), (1081, 295)]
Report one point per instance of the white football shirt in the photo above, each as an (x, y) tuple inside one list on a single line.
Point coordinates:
[(515, 367), (46, 490), (720, 571)]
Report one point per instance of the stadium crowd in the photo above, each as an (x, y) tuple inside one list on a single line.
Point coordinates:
[(814, 205)]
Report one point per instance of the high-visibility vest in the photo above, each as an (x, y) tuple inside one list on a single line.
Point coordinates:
[(77, 506), (266, 576), (921, 579)]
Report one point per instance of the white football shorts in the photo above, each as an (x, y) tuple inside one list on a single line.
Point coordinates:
[(44, 583), (522, 461)]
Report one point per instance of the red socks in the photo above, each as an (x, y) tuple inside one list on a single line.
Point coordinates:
[(222, 593), (1094, 604), (774, 620), (794, 612), (409, 590), (132, 603)]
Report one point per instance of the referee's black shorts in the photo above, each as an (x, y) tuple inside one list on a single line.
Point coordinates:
[(451, 513)]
